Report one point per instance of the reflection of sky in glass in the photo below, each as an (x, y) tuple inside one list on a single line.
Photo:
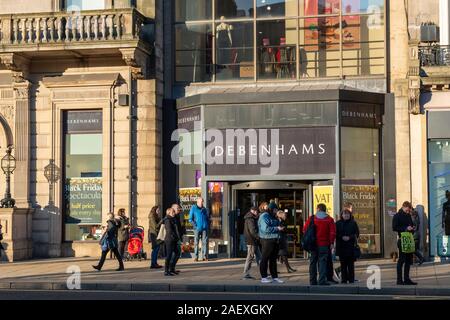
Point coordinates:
[(361, 6)]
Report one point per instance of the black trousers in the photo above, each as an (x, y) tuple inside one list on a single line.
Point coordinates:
[(116, 254), (404, 263), (171, 249), (122, 245), (347, 269), (269, 255)]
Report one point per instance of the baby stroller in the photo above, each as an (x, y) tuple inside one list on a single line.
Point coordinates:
[(135, 248)]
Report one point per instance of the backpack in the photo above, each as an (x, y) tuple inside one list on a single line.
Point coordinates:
[(309, 238)]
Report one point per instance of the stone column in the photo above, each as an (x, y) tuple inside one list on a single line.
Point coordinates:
[(21, 176), (399, 86)]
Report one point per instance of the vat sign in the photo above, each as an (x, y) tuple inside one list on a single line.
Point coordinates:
[(270, 151)]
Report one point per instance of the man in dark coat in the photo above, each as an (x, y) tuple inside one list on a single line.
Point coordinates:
[(402, 222), (124, 229), (347, 233), (179, 219), (171, 241), (252, 237)]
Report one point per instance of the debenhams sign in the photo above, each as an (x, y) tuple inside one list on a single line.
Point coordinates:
[(270, 151)]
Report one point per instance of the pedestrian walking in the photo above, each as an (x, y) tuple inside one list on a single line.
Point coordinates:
[(283, 252), (182, 230), (154, 224), (416, 223), (170, 241), (109, 242), (347, 233), (124, 231), (325, 237), (199, 218), (402, 223), (269, 233), (252, 237)]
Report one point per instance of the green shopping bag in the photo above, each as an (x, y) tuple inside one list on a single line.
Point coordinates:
[(407, 242)]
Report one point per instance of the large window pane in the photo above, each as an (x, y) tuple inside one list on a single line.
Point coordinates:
[(319, 47), (188, 10), (234, 9), (193, 52), (277, 49), (234, 50), (319, 7), (276, 8), (439, 182), (363, 45), (83, 147), (360, 183), (362, 6)]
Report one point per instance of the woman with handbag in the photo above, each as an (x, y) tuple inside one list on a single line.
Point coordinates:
[(347, 233), (109, 242)]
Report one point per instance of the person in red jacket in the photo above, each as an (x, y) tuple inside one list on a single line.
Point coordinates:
[(325, 236)]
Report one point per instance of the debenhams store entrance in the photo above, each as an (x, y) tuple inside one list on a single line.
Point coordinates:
[(297, 148)]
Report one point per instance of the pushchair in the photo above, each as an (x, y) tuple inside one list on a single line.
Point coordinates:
[(135, 249)]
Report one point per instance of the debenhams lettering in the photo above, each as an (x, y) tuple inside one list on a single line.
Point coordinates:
[(268, 150)]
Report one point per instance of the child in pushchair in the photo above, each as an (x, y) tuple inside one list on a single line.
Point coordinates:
[(135, 248)]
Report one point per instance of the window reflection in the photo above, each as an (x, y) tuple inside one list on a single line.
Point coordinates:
[(191, 10), (276, 8), (234, 9), (277, 49)]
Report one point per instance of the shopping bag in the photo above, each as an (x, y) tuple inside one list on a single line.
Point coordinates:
[(407, 242), (161, 234)]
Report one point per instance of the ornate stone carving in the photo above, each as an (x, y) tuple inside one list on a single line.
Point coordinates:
[(7, 111), (137, 60), (413, 101), (21, 92)]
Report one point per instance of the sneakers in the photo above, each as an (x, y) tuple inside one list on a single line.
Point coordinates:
[(266, 280), (278, 280)]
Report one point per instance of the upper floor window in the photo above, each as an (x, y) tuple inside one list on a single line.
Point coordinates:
[(82, 5), (220, 40)]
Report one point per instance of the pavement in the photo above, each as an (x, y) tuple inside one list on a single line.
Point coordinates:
[(220, 277)]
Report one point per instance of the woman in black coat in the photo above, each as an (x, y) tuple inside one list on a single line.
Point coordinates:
[(347, 233), (109, 242), (283, 251), (171, 242)]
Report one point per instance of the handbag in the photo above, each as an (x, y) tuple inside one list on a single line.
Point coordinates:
[(357, 251), (407, 244), (104, 242), (161, 234)]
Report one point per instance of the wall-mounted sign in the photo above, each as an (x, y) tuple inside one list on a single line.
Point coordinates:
[(83, 121), (271, 151), (83, 199), (188, 117), (323, 194), (361, 115)]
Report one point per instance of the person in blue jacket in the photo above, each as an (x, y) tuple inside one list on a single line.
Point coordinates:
[(199, 218), (269, 234)]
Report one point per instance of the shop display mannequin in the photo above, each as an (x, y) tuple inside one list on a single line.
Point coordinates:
[(446, 214), (267, 58), (224, 42)]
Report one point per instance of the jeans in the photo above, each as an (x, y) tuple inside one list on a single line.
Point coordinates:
[(204, 235), (319, 258), (171, 248), (116, 253), (242, 243), (347, 269), (405, 259), (155, 252), (253, 253), (269, 255)]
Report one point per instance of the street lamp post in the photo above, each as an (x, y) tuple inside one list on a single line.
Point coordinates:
[(51, 173), (8, 164)]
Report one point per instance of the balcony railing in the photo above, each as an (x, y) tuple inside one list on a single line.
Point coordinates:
[(64, 27), (436, 55)]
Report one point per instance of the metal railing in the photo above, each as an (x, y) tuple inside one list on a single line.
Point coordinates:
[(64, 27), (435, 55)]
